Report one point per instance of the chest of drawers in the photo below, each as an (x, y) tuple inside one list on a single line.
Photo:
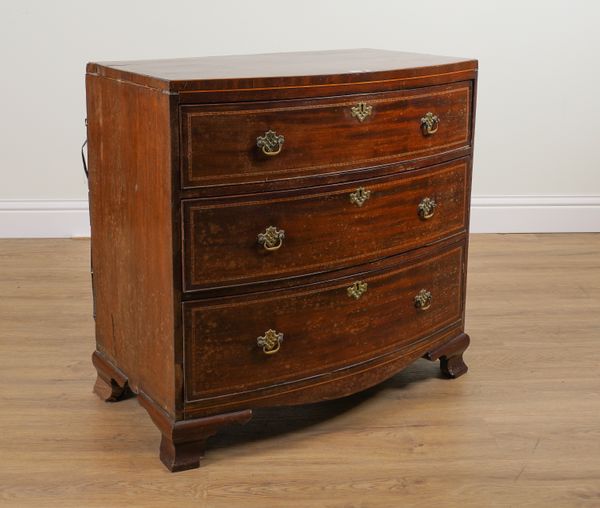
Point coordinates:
[(275, 229)]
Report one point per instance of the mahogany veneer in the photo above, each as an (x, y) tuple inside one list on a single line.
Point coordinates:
[(275, 229), (219, 141), (385, 224)]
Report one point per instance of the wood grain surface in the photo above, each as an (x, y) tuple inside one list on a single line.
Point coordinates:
[(323, 229), (325, 330), (132, 232), (219, 143), (521, 429), (298, 69), (136, 190)]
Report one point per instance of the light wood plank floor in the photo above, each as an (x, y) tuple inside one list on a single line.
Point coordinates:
[(522, 428)]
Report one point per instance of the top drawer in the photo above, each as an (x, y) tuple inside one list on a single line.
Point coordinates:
[(268, 141)]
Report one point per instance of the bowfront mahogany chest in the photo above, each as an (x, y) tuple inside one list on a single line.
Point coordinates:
[(275, 229)]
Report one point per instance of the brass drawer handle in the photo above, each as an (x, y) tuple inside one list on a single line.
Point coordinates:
[(429, 124), (270, 342), (361, 111), (271, 143), (426, 208), (357, 289), (423, 300), (272, 238), (359, 196)]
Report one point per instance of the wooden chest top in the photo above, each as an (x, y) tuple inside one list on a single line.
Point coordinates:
[(298, 69)]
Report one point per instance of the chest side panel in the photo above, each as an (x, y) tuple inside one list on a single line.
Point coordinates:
[(129, 146)]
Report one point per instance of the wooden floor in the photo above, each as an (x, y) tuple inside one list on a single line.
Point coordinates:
[(522, 428)]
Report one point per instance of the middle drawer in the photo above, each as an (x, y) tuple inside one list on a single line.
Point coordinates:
[(259, 239)]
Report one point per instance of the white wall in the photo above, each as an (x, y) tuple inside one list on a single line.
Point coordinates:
[(537, 164)]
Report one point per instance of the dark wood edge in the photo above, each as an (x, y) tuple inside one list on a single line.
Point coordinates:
[(325, 81), (177, 254), (299, 92), (469, 188), (450, 355), (216, 95), (180, 431), (455, 346), (336, 384), (112, 383), (183, 441), (313, 84)]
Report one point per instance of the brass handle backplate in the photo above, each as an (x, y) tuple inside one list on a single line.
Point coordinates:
[(270, 342), (272, 238), (361, 111), (357, 289), (359, 196), (426, 208), (429, 124), (271, 143), (423, 300)]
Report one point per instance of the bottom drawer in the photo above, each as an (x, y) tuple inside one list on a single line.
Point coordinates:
[(233, 344)]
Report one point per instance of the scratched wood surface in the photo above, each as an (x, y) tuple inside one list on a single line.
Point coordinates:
[(522, 428)]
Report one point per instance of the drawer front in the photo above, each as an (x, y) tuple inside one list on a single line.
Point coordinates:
[(325, 230), (221, 143), (229, 342)]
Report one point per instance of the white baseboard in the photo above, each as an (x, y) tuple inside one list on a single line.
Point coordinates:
[(535, 214), (489, 214), (44, 218)]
